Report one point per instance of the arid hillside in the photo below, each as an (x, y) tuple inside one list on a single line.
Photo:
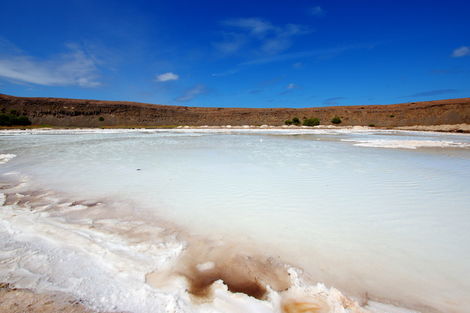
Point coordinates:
[(95, 113)]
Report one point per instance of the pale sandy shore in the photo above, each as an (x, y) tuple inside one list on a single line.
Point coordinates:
[(457, 128), (14, 300), (454, 128)]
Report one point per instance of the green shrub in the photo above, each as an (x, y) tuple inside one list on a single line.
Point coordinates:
[(22, 120), (101, 119), (288, 122), (311, 121), (296, 121), (391, 115), (5, 120), (371, 125), (11, 120), (336, 120)]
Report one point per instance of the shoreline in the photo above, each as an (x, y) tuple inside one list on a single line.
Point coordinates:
[(445, 128)]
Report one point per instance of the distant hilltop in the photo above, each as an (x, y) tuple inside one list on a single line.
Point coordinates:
[(96, 113)]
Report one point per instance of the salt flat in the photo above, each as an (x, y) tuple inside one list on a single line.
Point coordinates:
[(124, 219)]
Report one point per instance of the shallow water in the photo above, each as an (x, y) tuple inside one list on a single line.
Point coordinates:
[(377, 214)]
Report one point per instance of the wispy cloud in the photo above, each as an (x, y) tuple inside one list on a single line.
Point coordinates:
[(167, 77), (255, 26), (317, 11), (260, 35), (305, 54), (317, 53), (430, 93), (231, 43), (461, 52), (271, 43), (333, 101), (73, 67), (192, 93), (282, 39)]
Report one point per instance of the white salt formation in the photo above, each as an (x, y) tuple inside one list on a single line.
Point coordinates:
[(238, 220)]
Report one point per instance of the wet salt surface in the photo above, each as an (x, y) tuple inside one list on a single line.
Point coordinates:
[(111, 261), (387, 224)]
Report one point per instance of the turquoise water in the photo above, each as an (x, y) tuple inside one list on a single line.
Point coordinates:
[(382, 213)]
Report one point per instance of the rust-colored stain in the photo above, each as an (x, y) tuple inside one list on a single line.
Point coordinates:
[(200, 284), (241, 273), (305, 307)]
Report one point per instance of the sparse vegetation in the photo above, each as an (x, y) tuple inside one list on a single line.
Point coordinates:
[(311, 121), (101, 119), (336, 120), (447, 112), (371, 125), (294, 121), (14, 119)]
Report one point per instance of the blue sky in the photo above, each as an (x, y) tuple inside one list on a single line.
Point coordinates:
[(237, 53)]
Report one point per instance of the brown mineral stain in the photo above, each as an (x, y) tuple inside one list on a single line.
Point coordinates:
[(200, 283), (240, 272), (294, 306)]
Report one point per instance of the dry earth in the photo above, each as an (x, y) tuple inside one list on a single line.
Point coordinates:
[(87, 113), (14, 300)]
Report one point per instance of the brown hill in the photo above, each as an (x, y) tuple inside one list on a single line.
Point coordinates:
[(87, 113)]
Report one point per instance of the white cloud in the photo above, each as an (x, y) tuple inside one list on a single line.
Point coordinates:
[(167, 77), (461, 52), (75, 67), (289, 88), (192, 93), (317, 11)]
